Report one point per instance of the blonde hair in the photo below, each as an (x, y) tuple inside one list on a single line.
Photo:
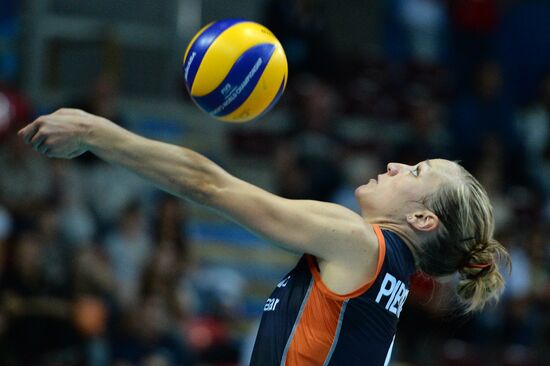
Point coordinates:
[(464, 242)]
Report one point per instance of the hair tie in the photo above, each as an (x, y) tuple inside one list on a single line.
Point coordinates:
[(478, 265)]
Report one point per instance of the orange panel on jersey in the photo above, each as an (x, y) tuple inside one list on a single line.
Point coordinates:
[(315, 331)]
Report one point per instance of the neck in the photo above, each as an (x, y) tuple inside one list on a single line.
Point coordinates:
[(406, 234)]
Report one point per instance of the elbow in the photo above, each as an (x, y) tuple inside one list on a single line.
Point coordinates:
[(205, 193), (202, 190), (200, 180)]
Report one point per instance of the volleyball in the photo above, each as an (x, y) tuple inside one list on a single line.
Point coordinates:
[(235, 70)]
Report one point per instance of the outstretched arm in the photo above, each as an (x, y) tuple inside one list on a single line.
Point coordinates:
[(328, 231)]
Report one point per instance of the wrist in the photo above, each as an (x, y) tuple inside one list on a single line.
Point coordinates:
[(91, 131)]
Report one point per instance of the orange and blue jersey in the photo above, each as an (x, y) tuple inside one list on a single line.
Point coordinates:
[(306, 324)]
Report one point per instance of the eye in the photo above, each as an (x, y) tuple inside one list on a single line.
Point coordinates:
[(416, 171)]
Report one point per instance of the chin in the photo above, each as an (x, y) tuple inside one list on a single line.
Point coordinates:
[(363, 203), (359, 191)]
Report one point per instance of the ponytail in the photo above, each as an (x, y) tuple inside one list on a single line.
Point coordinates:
[(480, 281)]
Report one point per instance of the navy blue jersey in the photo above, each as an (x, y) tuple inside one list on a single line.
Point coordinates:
[(306, 324)]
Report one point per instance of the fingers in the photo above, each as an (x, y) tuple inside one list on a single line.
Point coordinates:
[(28, 132), (42, 145), (33, 136), (37, 142)]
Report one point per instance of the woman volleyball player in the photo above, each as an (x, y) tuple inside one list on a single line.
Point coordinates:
[(341, 303)]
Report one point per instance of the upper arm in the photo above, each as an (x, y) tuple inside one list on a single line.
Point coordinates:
[(328, 231)]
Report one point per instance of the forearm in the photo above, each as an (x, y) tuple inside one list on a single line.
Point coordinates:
[(175, 169)]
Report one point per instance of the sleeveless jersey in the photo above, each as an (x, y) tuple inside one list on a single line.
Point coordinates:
[(306, 324)]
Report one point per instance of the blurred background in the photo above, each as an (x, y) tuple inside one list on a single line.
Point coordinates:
[(98, 268)]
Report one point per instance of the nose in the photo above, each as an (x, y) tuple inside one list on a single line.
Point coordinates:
[(393, 169)]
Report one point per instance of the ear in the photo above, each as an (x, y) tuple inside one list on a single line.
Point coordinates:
[(423, 220)]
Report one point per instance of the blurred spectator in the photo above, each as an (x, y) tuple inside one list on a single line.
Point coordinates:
[(515, 319), (110, 189), (490, 170), (300, 25), (9, 29), (210, 333), (38, 307), (426, 305), (55, 255), (152, 330), (428, 135), (26, 181), (424, 23), (128, 247), (473, 27), (92, 275), (94, 304), (161, 277), (211, 339), (534, 129), (292, 179), (524, 47), (168, 271), (169, 228), (539, 253), (219, 298), (150, 337), (307, 160), (485, 114), (102, 97), (77, 222)]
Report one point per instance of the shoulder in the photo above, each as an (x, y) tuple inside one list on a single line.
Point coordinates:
[(353, 274)]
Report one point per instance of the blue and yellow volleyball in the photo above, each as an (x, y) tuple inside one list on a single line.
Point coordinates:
[(235, 70)]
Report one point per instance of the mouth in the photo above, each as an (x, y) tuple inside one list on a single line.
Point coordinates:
[(371, 181)]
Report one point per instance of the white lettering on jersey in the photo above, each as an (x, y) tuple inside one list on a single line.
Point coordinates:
[(271, 304), (384, 289), (394, 292), (283, 282)]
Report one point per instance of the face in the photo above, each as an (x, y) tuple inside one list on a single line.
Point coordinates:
[(400, 191)]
